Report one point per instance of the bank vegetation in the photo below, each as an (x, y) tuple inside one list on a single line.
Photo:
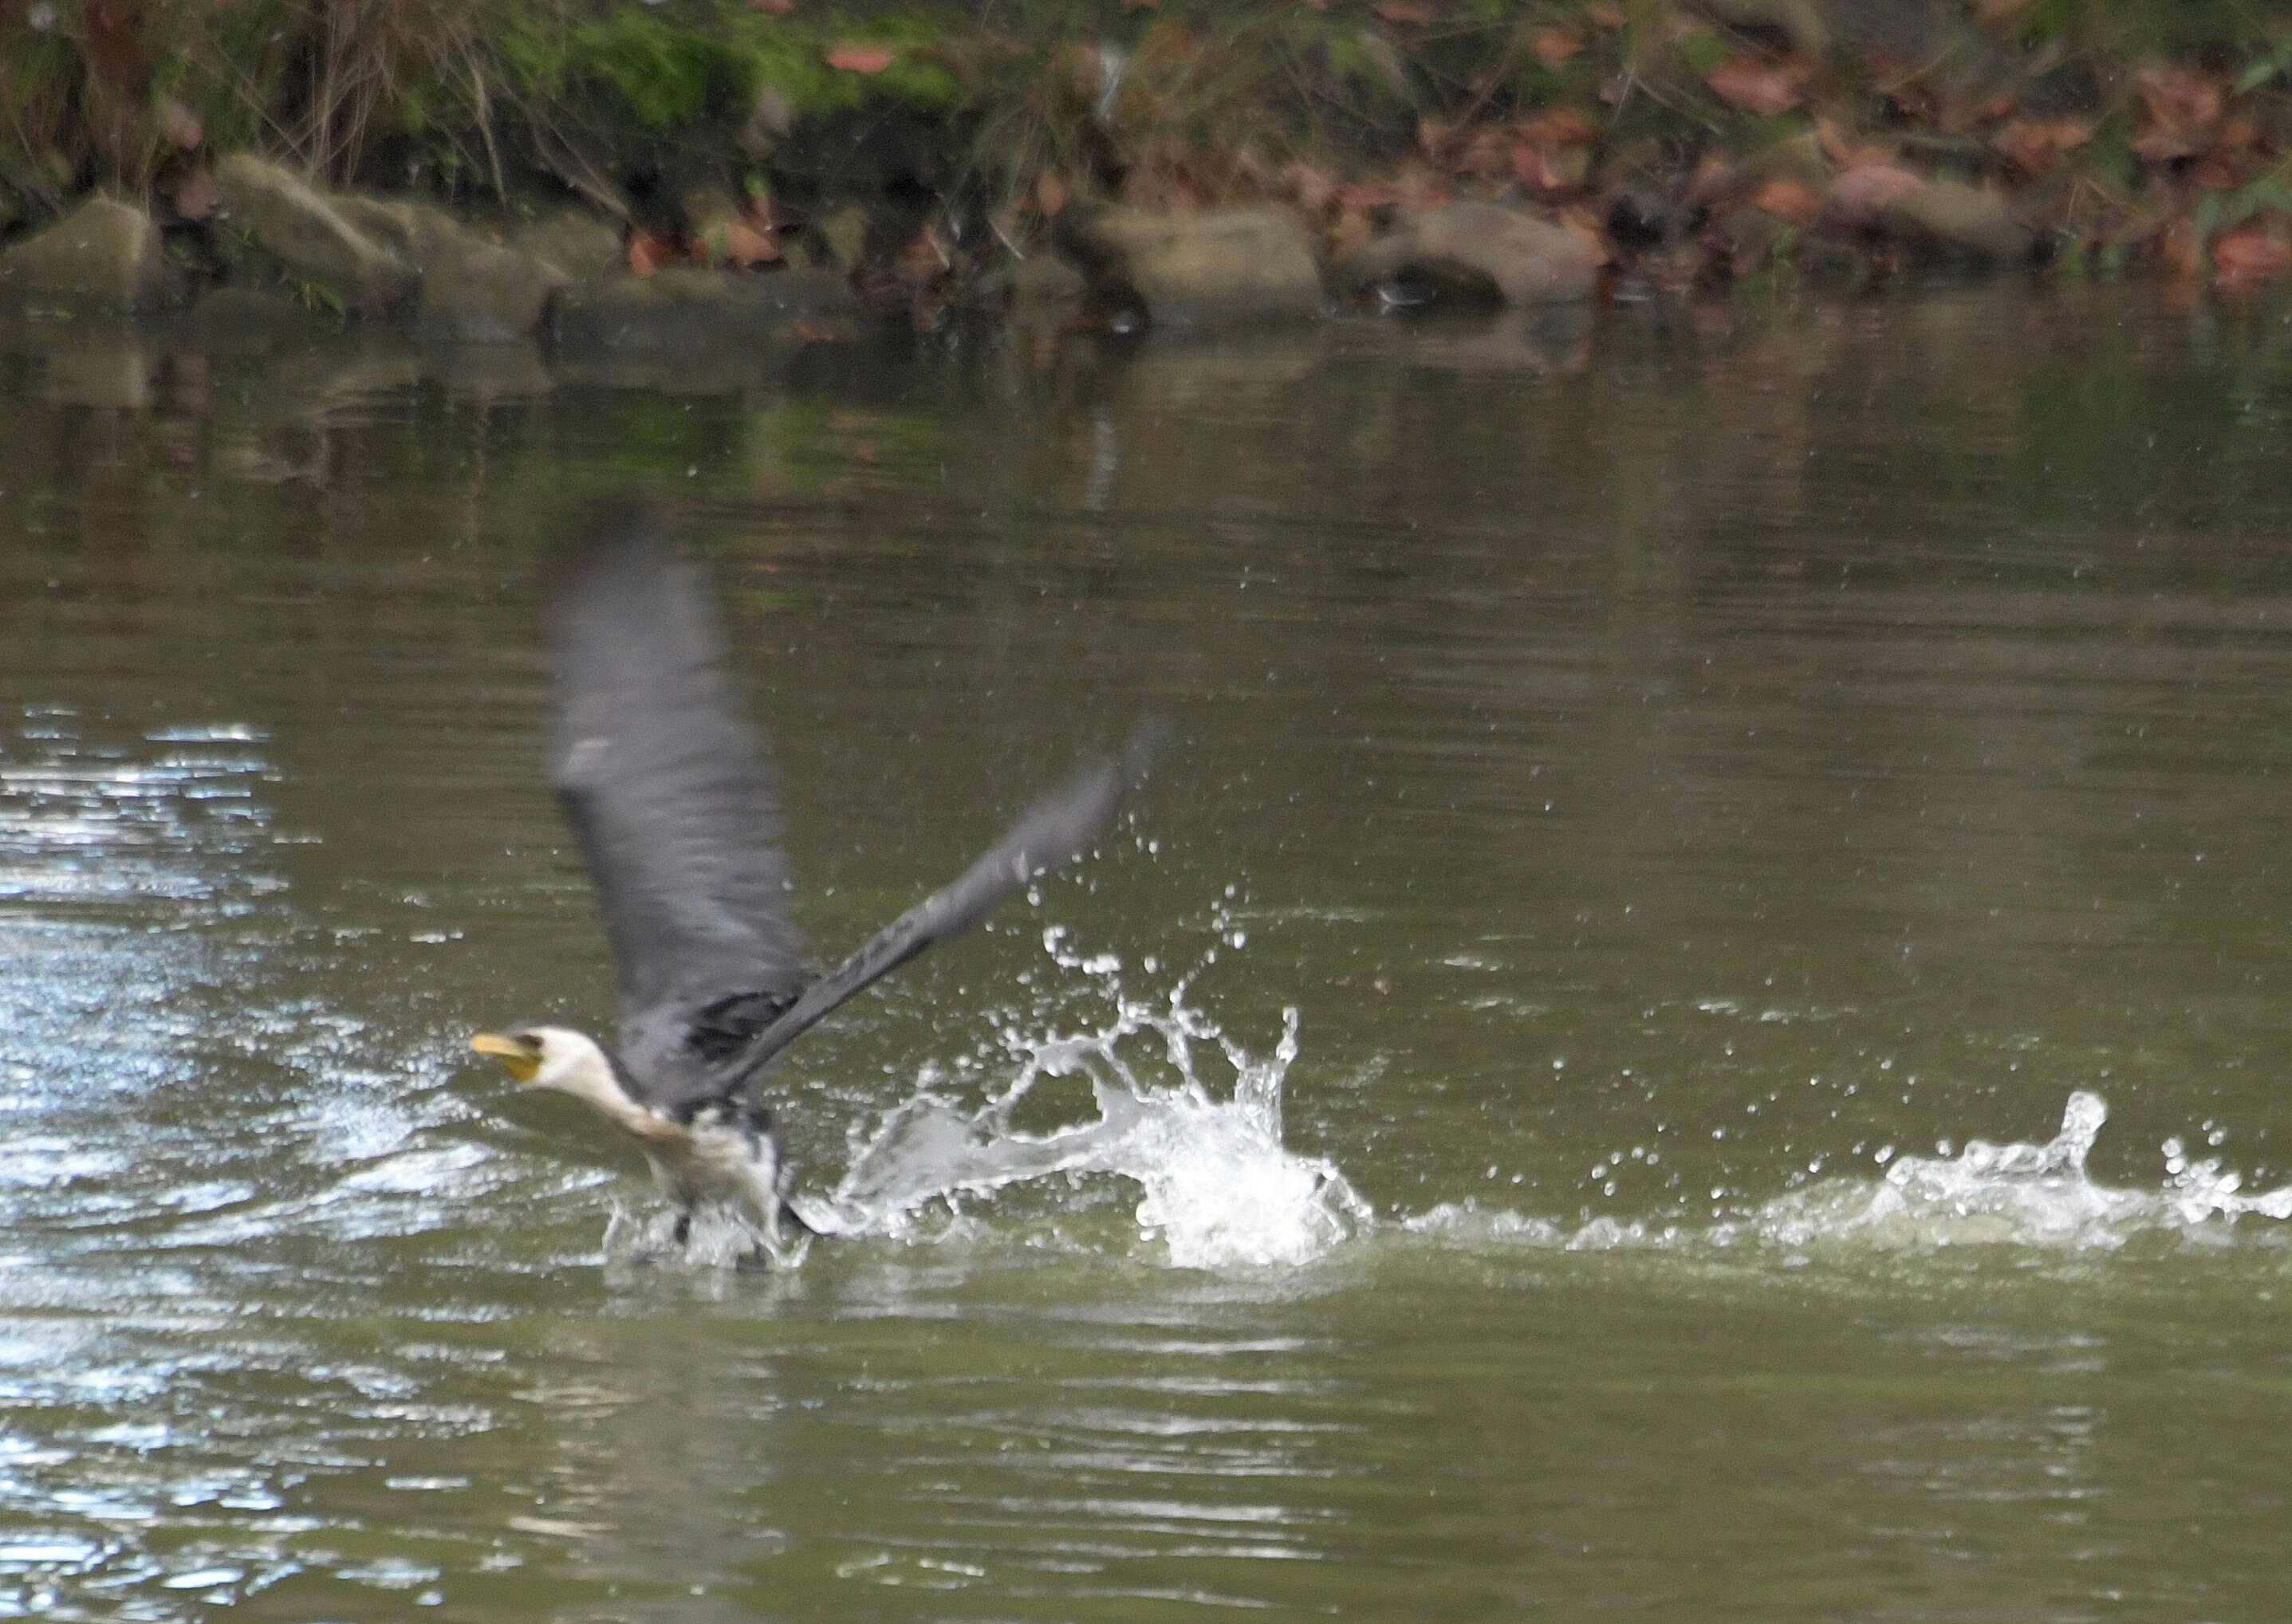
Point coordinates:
[(921, 149)]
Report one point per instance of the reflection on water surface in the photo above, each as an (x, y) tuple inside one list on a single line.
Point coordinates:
[(1689, 779)]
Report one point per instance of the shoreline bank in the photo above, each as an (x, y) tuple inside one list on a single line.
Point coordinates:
[(704, 172)]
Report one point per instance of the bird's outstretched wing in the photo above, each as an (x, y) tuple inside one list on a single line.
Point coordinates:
[(671, 796), (1058, 828)]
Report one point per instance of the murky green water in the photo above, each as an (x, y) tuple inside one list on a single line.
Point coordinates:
[(1677, 774)]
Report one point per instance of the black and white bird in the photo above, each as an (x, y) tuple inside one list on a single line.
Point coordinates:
[(673, 801)]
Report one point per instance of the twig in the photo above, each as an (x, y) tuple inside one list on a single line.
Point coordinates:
[(485, 117), (575, 171)]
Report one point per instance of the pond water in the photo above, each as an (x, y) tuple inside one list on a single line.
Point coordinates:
[(1589, 1048)]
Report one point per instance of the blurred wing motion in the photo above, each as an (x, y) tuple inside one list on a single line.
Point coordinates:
[(1057, 829), (673, 801)]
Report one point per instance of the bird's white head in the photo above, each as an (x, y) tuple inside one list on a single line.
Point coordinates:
[(554, 1058)]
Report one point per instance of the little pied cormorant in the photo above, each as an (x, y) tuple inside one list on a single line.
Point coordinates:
[(674, 805)]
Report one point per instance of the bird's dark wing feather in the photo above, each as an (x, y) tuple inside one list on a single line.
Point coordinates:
[(668, 790), (1058, 828)]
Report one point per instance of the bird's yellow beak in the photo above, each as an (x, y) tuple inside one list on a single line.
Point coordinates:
[(521, 1061)]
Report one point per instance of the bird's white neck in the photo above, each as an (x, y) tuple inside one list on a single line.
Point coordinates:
[(573, 1064)]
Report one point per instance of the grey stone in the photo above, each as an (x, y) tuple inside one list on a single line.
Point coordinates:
[(686, 308), (1527, 260), (416, 232), (583, 247), (475, 292), (312, 236), (1230, 266), (104, 255), (1042, 280), (1951, 220)]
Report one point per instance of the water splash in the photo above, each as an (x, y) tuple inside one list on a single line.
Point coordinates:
[(2015, 1194), (716, 1237), (1220, 1188)]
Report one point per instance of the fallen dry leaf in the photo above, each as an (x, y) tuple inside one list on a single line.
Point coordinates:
[(778, 8), (1350, 232), (1845, 148), (1485, 154), (1561, 126), (1714, 178), (1787, 199), (2037, 146), (862, 59), (1999, 16), (1549, 172), (1533, 167), (177, 122), (1760, 86), (2251, 253), (2179, 95), (1416, 188), (736, 242), (648, 253), (1406, 11), (1312, 188), (1553, 46), (194, 195), (1857, 196), (1584, 225), (2182, 106)]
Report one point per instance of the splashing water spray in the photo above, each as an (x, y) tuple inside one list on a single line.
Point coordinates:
[(2013, 1194), (1219, 1187)]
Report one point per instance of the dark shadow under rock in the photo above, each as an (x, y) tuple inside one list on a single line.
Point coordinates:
[(686, 309), (252, 321)]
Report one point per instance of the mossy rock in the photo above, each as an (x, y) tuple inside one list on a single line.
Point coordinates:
[(1226, 268), (416, 232), (103, 256), (311, 237)]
